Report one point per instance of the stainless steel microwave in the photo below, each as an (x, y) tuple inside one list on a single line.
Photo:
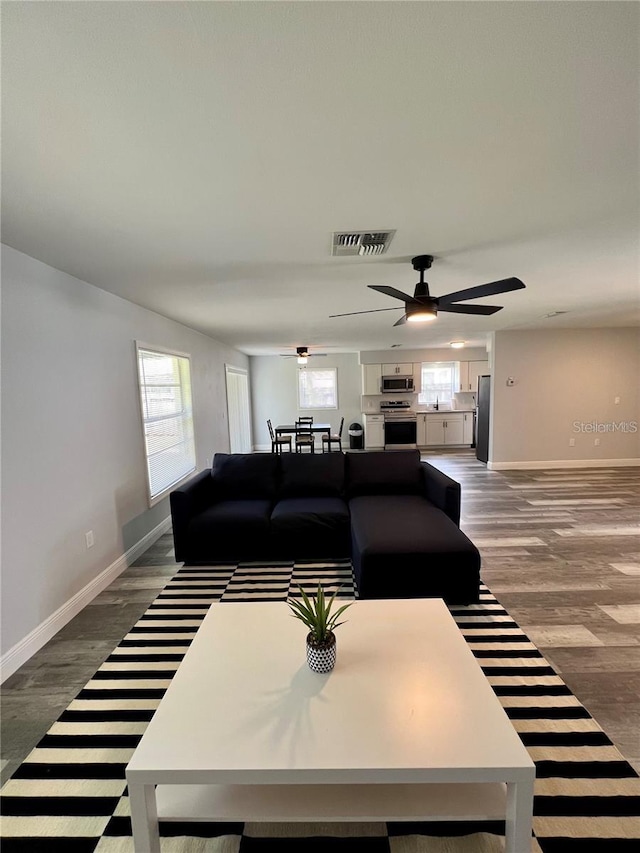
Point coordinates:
[(397, 383)]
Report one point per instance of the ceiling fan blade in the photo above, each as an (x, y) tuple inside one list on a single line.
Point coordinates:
[(503, 286), (391, 291), (401, 321), (470, 309), (372, 311)]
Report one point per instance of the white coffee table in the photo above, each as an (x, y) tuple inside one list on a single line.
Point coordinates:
[(406, 727)]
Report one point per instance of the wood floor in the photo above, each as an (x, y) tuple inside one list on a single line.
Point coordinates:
[(560, 550)]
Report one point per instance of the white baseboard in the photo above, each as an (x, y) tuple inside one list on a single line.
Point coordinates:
[(35, 640), (564, 463), (261, 447)]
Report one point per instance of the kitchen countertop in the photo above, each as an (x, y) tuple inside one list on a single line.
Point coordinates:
[(426, 412)]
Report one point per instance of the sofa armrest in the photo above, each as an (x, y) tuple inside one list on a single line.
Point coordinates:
[(442, 491), (186, 501)]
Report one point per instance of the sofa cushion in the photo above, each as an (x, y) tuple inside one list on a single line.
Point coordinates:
[(308, 475), (231, 530), (384, 473), (404, 547), (245, 476), (308, 527)]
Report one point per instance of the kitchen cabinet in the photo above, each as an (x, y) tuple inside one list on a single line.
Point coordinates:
[(421, 430), (468, 372), (373, 431), (477, 368), (463, 376), (417, 377), (371, 378), (434, 430), (440, 429), (467, 428), (397, 369)]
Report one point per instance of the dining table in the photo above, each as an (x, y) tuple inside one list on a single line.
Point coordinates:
[(282, 429)]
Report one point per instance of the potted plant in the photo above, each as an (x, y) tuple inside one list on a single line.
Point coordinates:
[(316, 614)]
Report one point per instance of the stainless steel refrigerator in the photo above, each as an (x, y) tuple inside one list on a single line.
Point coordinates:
[(482, 418)]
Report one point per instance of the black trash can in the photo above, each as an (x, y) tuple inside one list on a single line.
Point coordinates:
[(356, 437)]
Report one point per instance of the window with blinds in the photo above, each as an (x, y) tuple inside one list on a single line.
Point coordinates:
[(438, 382), (167, 418), (318, 389)]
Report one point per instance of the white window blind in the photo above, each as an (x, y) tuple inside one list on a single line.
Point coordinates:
[(167, 417), (318, 389), (438, 382)]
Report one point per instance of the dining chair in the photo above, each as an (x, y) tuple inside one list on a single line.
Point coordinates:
[(332, 438), (304, 419), (278, 441), (304, 435)]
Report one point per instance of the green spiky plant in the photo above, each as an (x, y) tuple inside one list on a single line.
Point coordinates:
[(316, 614)]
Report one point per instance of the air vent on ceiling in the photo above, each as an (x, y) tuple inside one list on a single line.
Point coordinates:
[(554, 314), (361, 242)]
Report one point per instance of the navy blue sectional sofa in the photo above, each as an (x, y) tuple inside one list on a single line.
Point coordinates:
[(395, 516)]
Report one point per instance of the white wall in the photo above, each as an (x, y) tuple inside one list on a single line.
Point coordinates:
[(274, 393), (400, 356), (72, 447), (560, 377)]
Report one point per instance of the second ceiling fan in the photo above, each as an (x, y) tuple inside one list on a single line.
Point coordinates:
[(423, 307), (302, 354)]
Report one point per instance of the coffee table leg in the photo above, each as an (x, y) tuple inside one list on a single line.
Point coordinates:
[(144, 818), (519, 816)]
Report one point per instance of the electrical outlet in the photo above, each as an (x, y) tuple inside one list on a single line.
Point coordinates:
[(208, 462), (572, 442), (597, 442), (89, 537)]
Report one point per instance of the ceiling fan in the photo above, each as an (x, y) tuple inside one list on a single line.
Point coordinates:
[(302, 354), (422, 306)]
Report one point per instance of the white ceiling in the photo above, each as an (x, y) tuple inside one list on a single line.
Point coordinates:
[(196, 157)]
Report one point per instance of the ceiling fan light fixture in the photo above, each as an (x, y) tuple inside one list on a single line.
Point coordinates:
[(302, 359), (457, 344), (421, 313)]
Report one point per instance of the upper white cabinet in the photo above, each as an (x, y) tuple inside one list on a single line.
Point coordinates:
[(371, 378), (468, 374), (417, 377), (477, 368), (397, 369), (463, 376)]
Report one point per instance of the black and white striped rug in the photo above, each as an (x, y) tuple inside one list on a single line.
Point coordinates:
[(69, 795)]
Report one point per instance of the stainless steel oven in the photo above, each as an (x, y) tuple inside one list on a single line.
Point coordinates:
[(400, 425), (400, 432)]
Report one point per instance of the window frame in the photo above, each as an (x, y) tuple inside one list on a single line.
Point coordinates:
[(302, 408), (140, 346), (431, 364)]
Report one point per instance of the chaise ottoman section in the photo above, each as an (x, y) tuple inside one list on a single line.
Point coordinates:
[(404, 547)]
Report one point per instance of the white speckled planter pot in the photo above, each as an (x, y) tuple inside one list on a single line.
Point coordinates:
[(321, 657)]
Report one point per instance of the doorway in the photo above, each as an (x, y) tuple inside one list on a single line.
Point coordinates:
[(238, 409)]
